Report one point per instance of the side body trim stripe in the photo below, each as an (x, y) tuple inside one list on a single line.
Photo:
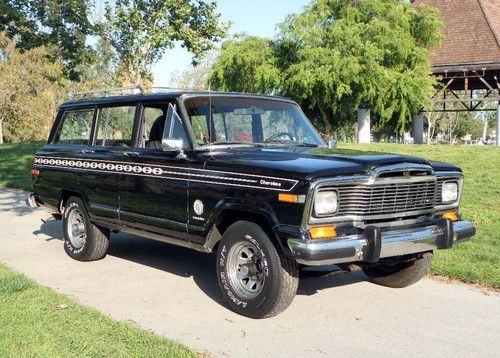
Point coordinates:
[(156, 171)]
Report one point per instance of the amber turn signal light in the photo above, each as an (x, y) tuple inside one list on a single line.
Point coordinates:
[(322, 232), (452, 215), (288, 198)]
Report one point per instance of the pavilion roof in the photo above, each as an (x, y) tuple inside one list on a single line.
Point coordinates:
[(472, 35)]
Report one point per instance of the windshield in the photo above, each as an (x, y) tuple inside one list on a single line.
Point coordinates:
[(246, 120)]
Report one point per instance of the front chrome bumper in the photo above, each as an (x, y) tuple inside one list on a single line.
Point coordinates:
[(374, 244)]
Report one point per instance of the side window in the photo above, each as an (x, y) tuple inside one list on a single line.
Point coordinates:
[(154, 121), (115, 126), (75, 127)]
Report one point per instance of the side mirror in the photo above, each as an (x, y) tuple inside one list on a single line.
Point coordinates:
[(172, 145), (332, 143)]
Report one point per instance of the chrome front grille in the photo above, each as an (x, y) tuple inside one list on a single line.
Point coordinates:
[(385, 198), (439, 185)]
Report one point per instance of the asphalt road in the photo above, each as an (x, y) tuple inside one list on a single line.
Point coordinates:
[(173, 292)]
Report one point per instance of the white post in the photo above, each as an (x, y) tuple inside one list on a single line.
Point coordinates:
[(498, 124), (418, 128), (364, 126)]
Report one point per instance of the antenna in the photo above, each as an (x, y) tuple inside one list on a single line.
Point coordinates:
[(210, 114)]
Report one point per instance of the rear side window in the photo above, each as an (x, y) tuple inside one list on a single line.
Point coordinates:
[(115, 126), (75, 127)]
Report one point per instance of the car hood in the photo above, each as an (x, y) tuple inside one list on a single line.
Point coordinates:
[(306, 164)]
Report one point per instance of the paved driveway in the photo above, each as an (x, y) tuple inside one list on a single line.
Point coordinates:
[(173, 292)]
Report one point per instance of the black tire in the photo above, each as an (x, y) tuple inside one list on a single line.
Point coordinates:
[(399, 273), (94, 240), (279, 273)]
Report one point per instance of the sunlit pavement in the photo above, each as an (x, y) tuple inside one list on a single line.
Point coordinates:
[(173, 292)]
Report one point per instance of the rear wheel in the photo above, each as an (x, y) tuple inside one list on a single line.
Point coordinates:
[(255, 278), (83, 240), (400, 272)]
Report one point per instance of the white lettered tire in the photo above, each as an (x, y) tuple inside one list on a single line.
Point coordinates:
[(255, 278), (83, 241)]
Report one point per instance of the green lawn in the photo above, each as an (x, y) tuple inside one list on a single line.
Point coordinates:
[(15, 164), (476, 261), (35, 321)]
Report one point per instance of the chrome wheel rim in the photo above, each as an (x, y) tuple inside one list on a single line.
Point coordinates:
[(75, 228), (244, 267)]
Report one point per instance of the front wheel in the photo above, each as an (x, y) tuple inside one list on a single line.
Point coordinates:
[(256, 280), (399, 272)]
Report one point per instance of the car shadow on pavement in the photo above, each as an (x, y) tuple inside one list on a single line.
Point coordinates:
[(190, 263), (169, 258), (52, 229), (309, 286)]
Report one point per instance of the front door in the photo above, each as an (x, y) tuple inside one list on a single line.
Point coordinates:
[(154, 184)]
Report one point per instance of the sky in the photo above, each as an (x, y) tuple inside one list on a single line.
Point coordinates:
[(254, 17)]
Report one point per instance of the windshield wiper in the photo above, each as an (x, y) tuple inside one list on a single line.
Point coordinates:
[(288, 142), (301, 144), (233, 143)]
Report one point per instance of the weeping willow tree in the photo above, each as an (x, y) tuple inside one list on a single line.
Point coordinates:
[(340, 55)]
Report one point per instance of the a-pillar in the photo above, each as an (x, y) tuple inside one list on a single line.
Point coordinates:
[(364, 126), (418, 128)]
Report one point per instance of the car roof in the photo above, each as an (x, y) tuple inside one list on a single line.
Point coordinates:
[(152, 97)]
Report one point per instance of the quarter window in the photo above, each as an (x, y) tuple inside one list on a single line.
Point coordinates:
[(115, 126), (75, 128)]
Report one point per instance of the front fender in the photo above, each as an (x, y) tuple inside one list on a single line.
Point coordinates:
[(232, 209)]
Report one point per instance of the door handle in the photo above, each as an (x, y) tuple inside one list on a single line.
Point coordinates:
[(131, 154), (87, 151)]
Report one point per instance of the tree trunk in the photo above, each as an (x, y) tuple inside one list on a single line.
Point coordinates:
[(1, 131), (485, 129), (429, 128), (325, 117)]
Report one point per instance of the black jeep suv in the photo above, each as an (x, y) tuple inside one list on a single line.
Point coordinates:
[(240, 174)]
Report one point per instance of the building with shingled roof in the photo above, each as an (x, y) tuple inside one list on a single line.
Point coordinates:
[(468, 60)]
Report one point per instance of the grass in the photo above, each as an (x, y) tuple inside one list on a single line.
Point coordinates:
[(35, 321), (477, 261), (15, 164)]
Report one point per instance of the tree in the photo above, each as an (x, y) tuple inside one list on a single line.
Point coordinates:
[(61, 26), (362, 54), (198, 76), (340, 55), (246, 64), (28, 92), (140, 31)]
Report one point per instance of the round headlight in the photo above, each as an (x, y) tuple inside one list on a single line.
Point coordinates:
[(449, 192), (326, 203)]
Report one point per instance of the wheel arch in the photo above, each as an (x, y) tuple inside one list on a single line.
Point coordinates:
[(64, 195), (228, 214)]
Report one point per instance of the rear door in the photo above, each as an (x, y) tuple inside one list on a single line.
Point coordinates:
[(103, 162)]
